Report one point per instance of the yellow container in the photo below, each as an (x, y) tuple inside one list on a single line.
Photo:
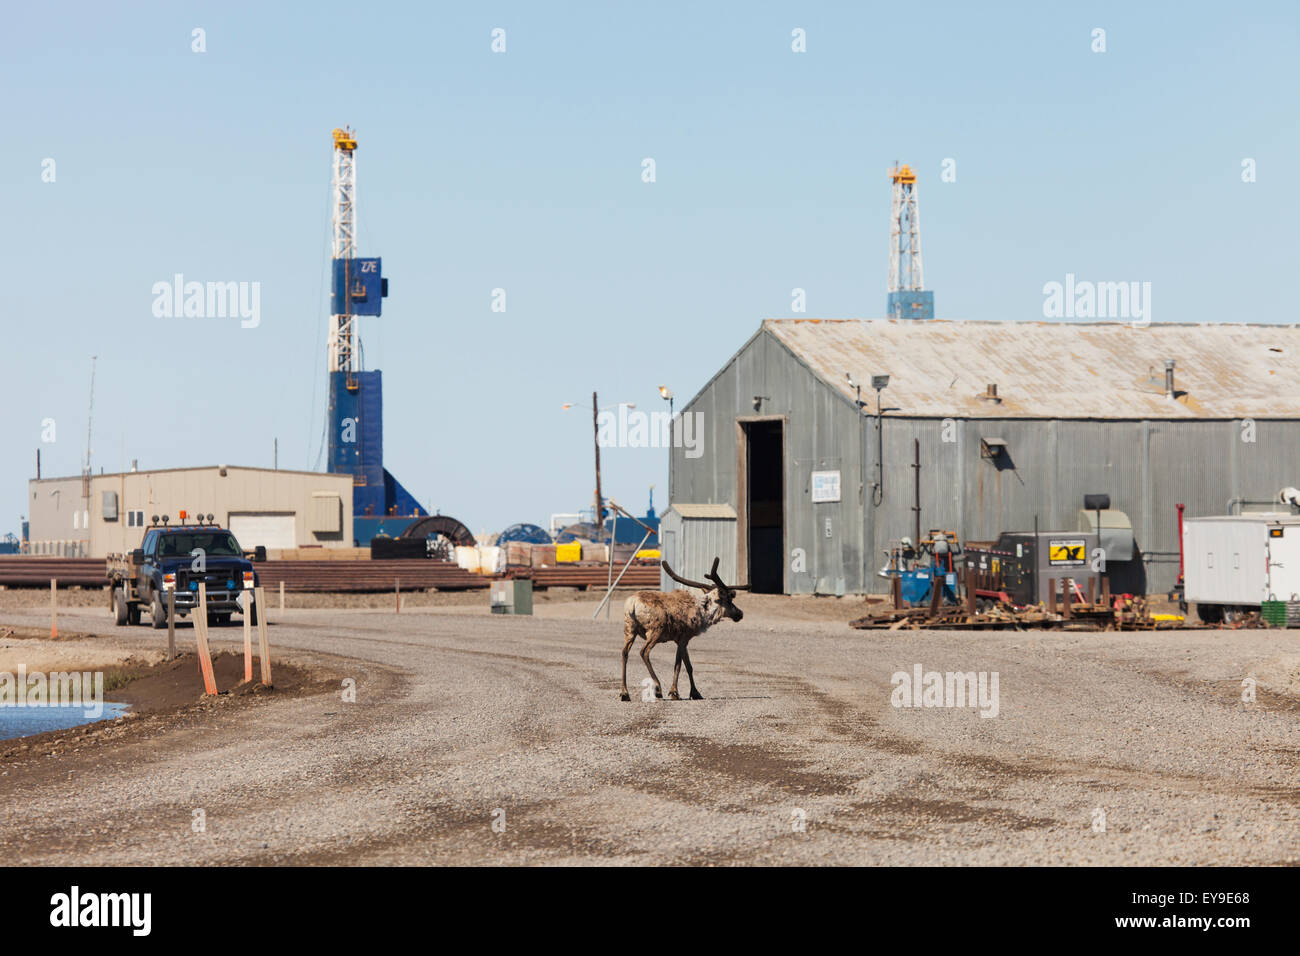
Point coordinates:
[(568, 553), (651, 553)]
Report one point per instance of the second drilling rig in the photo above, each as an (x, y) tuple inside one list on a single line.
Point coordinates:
[(356, 397)]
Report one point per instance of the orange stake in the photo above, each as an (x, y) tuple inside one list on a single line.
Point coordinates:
[(250, 603)]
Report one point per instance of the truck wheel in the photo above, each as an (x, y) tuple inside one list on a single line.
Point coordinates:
[(157, 613), (133, 614), (120, 614)]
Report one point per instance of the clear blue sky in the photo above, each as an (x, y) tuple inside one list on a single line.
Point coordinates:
[(522, 171)]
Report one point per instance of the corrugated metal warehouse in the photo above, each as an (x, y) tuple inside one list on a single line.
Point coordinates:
[(1015, 421), (80, 517)]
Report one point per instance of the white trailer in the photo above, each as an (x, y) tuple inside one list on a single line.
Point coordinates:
[(1234, 562)]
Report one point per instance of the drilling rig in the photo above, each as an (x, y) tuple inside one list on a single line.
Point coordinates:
[(906, 298), (356, 403)]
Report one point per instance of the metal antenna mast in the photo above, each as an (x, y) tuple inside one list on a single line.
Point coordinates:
[(343, 243)]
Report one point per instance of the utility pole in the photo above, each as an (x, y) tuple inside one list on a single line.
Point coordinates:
[(595, 432), (90, 412)]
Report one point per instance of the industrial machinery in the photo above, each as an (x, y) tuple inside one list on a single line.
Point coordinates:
[(907, 297), (940, 551), (526, 533), (1026, 567), (442, 534)]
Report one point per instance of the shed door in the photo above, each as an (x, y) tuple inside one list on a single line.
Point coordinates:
[(271, 530)]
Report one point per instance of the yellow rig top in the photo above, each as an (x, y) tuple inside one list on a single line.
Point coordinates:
[(344, 139), (902, 174)]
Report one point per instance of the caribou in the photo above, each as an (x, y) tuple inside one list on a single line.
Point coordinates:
[(676, 616)]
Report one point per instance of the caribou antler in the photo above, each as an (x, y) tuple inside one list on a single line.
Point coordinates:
[(690, 584), (713, 576)]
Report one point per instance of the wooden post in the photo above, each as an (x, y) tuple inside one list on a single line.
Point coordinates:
[(281, 599), (264, 646), (171, 624), (250, 608), (397, 593), (1105, 590), (1051, 595), (896, 591), (1089, 591), (201, 636), (970, 590), (1067, 596), (936, 591), (54, 609)]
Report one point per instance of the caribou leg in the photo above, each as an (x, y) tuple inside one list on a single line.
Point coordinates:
[(645, 656), (690, 673), (629, 638), (677, 669)]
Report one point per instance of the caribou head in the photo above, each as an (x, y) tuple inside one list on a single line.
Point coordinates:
[(719, 599)]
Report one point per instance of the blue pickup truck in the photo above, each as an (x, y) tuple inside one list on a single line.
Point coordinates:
[(174, 559)]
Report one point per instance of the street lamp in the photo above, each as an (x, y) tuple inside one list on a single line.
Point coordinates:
[(880, 383), (848, 377), (666, 394), (604, 408)]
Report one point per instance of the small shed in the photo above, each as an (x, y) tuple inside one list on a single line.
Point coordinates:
[(692, 535)]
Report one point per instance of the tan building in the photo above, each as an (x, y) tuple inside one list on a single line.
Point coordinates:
[(92, 517)]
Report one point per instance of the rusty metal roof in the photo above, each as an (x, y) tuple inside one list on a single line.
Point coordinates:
[(941, 368)]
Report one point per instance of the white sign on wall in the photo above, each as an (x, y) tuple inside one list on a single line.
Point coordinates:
[(825, 486)]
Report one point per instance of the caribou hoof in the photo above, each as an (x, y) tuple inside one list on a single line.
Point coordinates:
[(625, 696), (673, 695), (659, 694), (696, 695)]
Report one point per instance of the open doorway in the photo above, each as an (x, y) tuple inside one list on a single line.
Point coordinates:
[(764, 502)]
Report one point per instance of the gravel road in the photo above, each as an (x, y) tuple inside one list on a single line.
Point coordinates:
[(1105, 749)]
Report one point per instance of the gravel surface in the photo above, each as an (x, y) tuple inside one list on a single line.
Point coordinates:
[(463, 719)]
